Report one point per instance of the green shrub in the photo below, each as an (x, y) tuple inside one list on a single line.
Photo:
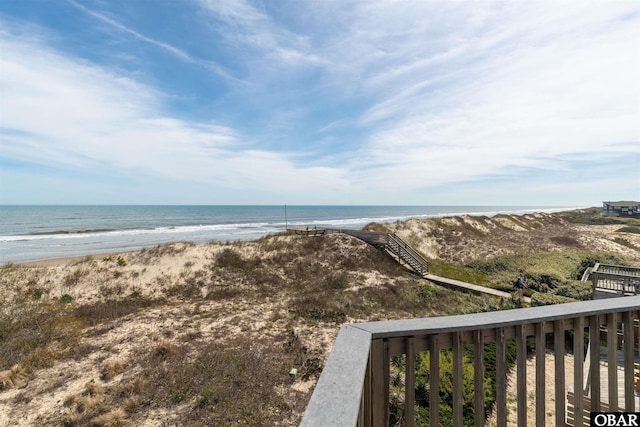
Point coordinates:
[(377, 227), (232, 259), (538, 299), (565, 240), (492, 265), (576, 289), (540, 280), (629, 229), (625, 242), (591, 216), (470, 273)]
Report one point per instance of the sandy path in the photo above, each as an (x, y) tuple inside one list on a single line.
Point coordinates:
[(550, 382)]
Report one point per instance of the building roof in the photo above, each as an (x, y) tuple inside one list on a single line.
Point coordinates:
[(622, 203)]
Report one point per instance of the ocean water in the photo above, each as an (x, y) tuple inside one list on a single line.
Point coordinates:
[(29, 233)]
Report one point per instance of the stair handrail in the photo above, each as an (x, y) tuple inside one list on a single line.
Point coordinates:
[(408, 250)]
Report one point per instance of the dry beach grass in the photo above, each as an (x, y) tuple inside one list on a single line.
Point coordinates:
[(208, 335)]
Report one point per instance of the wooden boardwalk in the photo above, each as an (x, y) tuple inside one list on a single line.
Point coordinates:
[(603, 365), (308, 231), (469, 287), (604, 383)]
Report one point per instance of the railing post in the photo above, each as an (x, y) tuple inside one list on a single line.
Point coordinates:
[(379, 383), (629, 400)]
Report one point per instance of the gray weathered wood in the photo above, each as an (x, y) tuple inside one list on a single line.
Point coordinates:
[(356, 376), (627, 325), (501, 378), (410, 383), (368, 393), (341, 383), (558, 348), (495, 319), (521, 374), (434, 381), (594, 361), (540, 374), (612, 357), (478, 376), (458, 389), (578, 365)]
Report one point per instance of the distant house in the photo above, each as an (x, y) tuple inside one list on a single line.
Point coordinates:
[(621, 209)]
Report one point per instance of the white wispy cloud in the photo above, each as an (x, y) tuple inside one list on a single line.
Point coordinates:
[(541, 84), (411, 97), (64, 113), (249, 27), (178, 53)]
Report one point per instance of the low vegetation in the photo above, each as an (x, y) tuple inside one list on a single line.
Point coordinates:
[(226, 332), (238, 333), (592, 216)]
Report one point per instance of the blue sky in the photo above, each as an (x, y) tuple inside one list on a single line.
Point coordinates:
[(319, 102)]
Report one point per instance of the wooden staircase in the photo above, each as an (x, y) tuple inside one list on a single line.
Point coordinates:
[(403, 251), (393, 245)]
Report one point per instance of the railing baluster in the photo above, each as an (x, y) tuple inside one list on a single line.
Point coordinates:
[(594, 361), (410, 383), (558, 346), (478, 361), (501, 378), (521, 374), (386, 366), (540, 374), (578, 370), (434, 381), (612, 358), (456, 339)]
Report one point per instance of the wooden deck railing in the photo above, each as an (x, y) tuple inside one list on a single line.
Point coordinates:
[(353, 389), (616, 279)]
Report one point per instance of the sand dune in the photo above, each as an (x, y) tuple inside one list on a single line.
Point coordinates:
[(101, 340)]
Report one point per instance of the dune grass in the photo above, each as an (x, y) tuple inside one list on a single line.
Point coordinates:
[(240, 335), (235, 372)]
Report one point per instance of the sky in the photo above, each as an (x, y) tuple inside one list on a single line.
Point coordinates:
[(342, 102)]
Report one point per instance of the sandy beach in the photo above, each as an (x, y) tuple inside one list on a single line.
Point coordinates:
[(118, 339)]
